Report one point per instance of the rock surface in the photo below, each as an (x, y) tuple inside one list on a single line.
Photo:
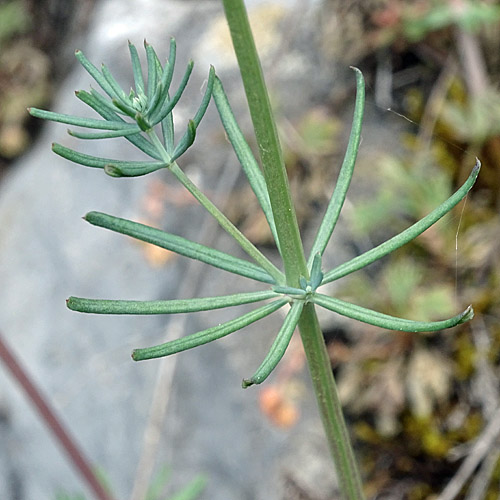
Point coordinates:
[(82, 362)]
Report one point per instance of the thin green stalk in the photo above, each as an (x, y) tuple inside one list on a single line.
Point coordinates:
[(291, 247), (267, 139), (329, 405)]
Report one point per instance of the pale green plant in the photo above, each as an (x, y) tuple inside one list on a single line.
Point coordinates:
[(143, 116)]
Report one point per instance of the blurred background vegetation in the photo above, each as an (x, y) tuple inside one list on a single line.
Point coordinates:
[(32, 35), (417, 403)]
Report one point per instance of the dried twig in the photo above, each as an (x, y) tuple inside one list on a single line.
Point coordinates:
[(48, 415)]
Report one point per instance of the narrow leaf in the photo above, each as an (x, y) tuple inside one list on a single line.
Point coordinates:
[(407, 235), (244, 155), (104, 135), (98, 306), (167, 129), (101, 106), (208, 335), (82, 122), (169, 67), (169, 104), (152, 75), (137, 170), (96, 162), (289, 290), (136, 68), (337, 201), (125, 108), (385, 321), (161, 94), (316, 273), (180, 245), (94, 73), (186, 141), (279, 346), (206, 97), (118, 91)]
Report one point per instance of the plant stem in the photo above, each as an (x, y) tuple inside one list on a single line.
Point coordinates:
[(329, 405), (267, 139), (291, 247)]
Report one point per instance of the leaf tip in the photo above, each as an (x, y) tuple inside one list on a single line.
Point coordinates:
[(467, 315), (477, 166), (113, 171), (246, 383), (71, 304), (139, 355)]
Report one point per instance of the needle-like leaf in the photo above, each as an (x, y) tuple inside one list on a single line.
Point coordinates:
[(206, 97), (125, 108), (100, 306), (169, 67), (278, 348), (208, 335), (95, 73), (138, 170), (244, 155), (180, 245), (186, 141), (316, 273), (83, 122), (96, 162), (152, 68), (101, 106), (136, 68), (117, 90), (407, 235), (167, 129), (161, 94), (337, 201), (169, 104), (385, 321), (290, 290), (99, 103), (111, 134)]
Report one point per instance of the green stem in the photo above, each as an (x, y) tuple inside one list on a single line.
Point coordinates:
[(267, 139), (329, 405), (291, 247)]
